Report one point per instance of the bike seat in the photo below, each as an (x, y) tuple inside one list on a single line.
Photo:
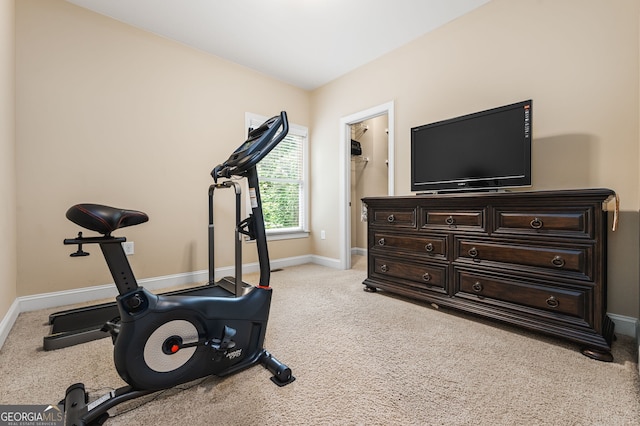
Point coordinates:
[(104, 219)]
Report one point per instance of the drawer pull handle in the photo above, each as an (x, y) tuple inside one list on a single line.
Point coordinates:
[(450, 221), (473, 252), (381, 242), (558, 262), (477, 287), (426, 277), (384, 268), (429, 247), (391, 218), (536, 223), (552, 302)]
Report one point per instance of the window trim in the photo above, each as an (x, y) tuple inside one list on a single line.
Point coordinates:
[(303, 230)]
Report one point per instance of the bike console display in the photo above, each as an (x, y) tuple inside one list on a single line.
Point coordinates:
[(259, 143)]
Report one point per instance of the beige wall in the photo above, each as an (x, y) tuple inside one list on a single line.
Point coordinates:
[(111, 114), (7, 158), (578, 61)]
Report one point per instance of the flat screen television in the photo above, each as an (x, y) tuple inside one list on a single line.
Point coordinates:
[(486, 150)]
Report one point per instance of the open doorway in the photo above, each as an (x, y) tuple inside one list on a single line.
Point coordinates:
[(382, 117), (369, 174)]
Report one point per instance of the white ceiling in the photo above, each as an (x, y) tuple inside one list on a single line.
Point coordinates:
[(306, 43)]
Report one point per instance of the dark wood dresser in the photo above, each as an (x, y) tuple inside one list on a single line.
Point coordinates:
[(531, 259)]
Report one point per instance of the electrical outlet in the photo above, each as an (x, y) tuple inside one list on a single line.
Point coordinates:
[(323, 235), (128, 247)]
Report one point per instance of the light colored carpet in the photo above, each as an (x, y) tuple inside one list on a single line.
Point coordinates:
[(359, 359)]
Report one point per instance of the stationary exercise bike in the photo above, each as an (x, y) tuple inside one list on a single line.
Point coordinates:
[(163, 341)]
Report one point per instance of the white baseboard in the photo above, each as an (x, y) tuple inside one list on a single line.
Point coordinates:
[(625, 326), (359, 251), (325, 261), (108, 291), (9, 319), (638, 342)]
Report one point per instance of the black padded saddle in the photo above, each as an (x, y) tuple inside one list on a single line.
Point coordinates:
[(104, 219)]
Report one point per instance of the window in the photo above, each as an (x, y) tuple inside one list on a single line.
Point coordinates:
[(284, 183)]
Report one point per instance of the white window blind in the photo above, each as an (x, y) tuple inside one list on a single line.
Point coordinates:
[(283, 184)]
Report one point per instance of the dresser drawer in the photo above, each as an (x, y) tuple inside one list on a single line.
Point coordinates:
[(430, 245), (572, 259), (397, 218), (452, 220), (567, 301), (420, 276), (548, 222)]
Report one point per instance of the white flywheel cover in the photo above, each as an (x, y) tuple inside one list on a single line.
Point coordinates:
[(154, 356)]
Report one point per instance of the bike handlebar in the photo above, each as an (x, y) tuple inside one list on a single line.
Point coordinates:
[(260, 142)]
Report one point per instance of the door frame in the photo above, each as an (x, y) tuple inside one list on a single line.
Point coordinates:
[(345, 170)]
